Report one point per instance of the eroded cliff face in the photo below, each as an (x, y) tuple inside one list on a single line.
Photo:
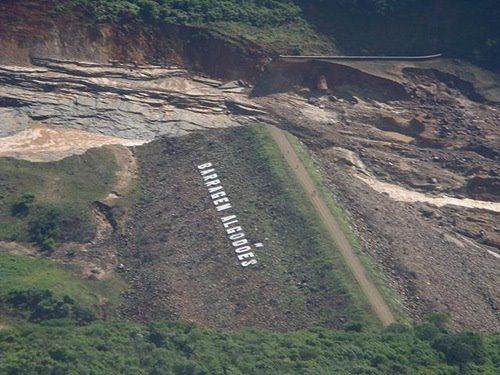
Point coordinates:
[(37, 29)]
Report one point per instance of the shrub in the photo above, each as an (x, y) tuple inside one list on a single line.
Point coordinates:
[(44, 227), (40, 305), (27, 299), (439, 319), (427, 332), (295, 49), (22, 207)]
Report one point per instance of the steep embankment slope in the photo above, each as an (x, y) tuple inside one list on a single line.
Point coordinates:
[(257, 256)]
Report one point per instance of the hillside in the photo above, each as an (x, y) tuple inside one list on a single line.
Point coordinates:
[(370, 27), (178, 198)]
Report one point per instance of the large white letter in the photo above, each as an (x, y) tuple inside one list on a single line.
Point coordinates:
[(210, 177), (218, 195), (207, 171), (223, 207), (227, 218), (248, 262), (203, 166), (221, 200), (233, 230), (243, 249), (246, 255), (227, 225), (240, 242), (237, 236), (214, 189), (212, 183)]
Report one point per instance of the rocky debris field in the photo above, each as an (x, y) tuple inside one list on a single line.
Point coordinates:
[(440, 139), (181, 264), (126, 101)]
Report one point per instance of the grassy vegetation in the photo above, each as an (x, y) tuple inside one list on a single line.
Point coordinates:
[(46, 202), (376, 276), (295, 38), (317, 259), (43, 280), (182, 348)]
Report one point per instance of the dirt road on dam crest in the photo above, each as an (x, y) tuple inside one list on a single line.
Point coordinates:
[(373, 296)]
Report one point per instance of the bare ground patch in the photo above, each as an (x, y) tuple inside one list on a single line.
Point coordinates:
[(41, 143)]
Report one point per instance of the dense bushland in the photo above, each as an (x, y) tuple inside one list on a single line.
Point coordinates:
[(182, 348), (252, 12), (466, 29)]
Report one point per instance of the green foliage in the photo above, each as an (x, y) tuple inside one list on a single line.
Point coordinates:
[(439, 319), (427, 331), (276, 23), (182, 348), (44, 227), (44, 202), (251, 12), (22, 207), (294, 50), (461, 347), (26, 282), (40, 304)]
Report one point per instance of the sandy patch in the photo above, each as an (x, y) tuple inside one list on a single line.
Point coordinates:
[(41, 143), (398, 136), (401, 194)]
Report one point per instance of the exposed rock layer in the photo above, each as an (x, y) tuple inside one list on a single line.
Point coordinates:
[(138, 103)]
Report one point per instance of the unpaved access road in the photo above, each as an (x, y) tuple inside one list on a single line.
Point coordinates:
[(373, 296)]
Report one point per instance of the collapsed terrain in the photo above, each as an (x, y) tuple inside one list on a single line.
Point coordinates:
[(388, 148)]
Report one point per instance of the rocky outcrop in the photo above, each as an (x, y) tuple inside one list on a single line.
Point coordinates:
[(136, 102), (484, 187)]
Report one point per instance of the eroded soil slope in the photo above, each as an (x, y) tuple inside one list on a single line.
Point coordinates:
[(425, 138)]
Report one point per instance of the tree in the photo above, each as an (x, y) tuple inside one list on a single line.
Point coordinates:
[(461, 348)]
